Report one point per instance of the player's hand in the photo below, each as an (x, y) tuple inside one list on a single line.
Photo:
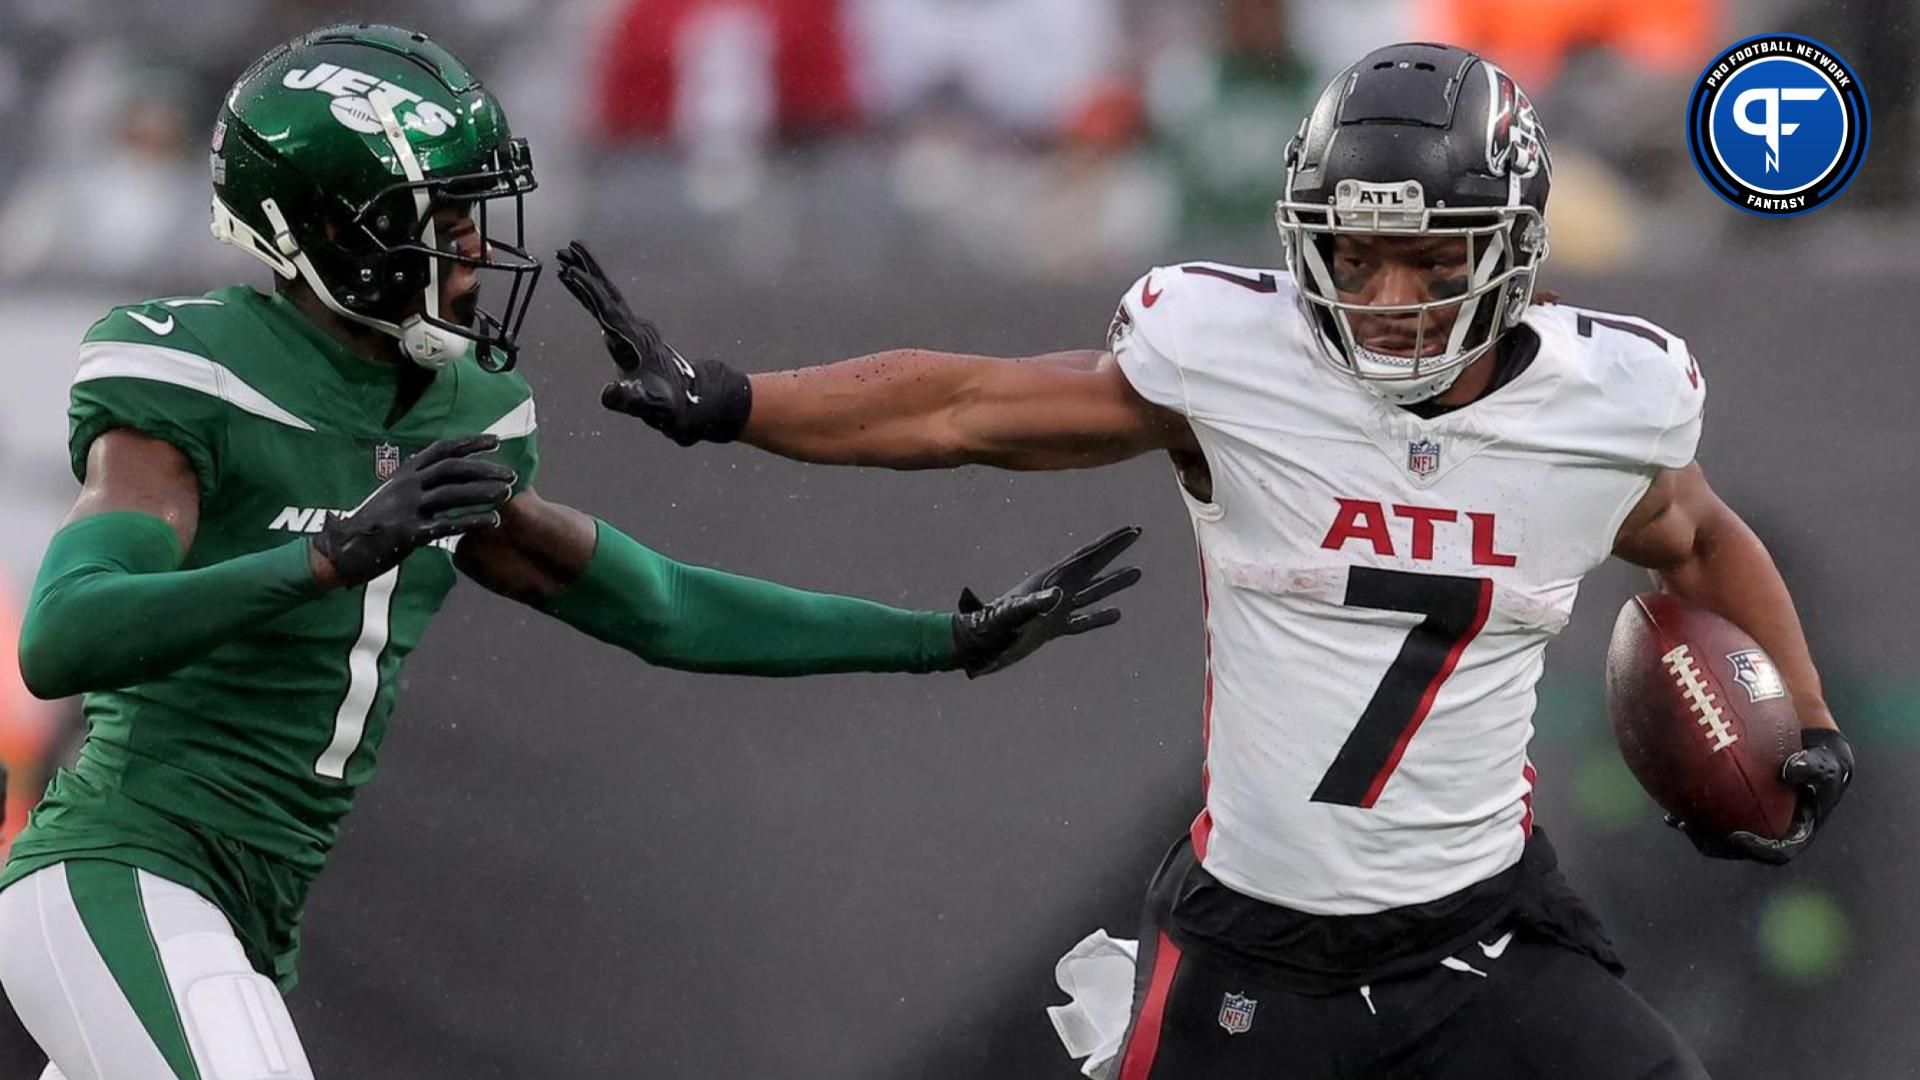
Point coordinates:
[(1050, 604), (1822, 768), (704, 401), (441, 491)]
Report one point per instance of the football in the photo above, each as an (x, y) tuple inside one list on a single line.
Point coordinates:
[(1702, 717)]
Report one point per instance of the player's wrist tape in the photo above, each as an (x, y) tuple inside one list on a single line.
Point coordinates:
[(112, 607), (696, 619)]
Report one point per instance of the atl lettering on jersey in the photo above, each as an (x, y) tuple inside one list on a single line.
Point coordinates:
[(1365, 521)]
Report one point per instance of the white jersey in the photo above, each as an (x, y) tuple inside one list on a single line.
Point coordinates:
[(1380, 589)]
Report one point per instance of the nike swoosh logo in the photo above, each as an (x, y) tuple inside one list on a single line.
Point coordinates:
[(1147, 296), (687, 370), (161, 328), (1494, 950)]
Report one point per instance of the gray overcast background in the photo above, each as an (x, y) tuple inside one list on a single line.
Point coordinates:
[(573, 866)]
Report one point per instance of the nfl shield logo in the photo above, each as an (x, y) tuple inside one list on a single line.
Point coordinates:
[(386, 460), (1236, 1013), (1423, 457), (1757, 675)]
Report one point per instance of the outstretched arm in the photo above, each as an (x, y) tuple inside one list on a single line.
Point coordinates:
[(1699, 549), (904, 409), (916, 409), (112, 606), (598, 580)]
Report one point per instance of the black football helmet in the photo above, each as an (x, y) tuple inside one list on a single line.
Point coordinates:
[(1426, 140)]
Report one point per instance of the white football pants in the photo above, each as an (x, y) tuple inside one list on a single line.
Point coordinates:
[(121, 975)]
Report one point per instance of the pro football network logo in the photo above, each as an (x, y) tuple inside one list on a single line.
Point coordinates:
[(1236, 1013), (1423, 457), (1778, 125)]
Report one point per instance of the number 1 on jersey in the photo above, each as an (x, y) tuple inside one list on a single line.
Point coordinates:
[(363, 677), (1456, 610)]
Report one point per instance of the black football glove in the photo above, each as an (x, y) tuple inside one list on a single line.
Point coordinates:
[(702, 401), (440, 491), (990, 636), (1822, 768)]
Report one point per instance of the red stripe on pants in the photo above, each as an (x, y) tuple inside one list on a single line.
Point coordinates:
[(1145, 1044)]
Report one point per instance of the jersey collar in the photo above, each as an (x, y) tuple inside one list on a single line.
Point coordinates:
[(352, 366), (366, 388)]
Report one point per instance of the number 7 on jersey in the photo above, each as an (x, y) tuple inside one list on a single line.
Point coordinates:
[(1456, 609)]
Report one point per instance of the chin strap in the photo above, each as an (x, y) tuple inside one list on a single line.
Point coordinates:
[(1411, 391)]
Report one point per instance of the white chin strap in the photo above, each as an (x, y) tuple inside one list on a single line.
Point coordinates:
[(430, 346), (1396, 389)]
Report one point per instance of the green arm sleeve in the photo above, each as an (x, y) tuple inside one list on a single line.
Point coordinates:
[(696, 619), (112, 607)]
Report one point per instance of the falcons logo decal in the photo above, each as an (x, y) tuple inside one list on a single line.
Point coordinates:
[(1514, 145)]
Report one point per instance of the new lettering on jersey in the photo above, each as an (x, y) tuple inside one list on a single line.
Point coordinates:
[(1380, 588)]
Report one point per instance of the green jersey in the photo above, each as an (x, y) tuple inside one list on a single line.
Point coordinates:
[(231, 775)]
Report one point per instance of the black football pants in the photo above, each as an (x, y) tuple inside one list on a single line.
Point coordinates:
[(1512, 1009)]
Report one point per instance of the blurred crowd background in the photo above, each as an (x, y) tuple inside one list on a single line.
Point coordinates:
[(1036, 138), (856, 878)]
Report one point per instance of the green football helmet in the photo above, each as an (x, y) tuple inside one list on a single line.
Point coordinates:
[(331, 154)]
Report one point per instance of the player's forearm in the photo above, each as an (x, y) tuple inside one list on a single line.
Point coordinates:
[(914, 409), (696, 619), (892, 409), (1731, 573), (111, 607)]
